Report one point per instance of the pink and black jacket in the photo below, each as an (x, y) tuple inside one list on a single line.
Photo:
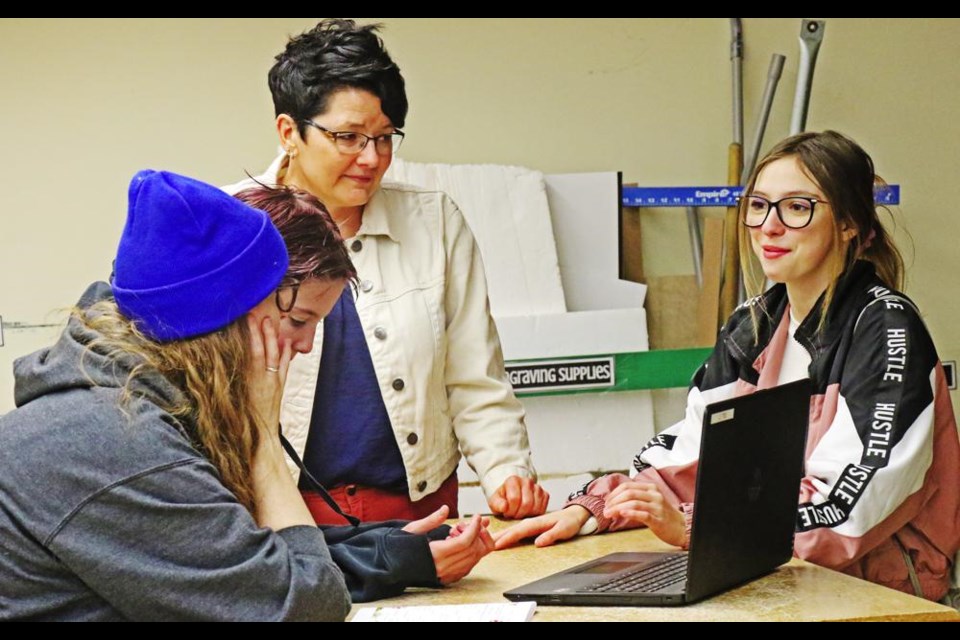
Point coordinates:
[(882, 456)]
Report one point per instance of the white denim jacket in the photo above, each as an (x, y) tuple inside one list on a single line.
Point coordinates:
[(422, 302)]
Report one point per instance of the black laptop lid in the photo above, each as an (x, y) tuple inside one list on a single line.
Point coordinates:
[(747, 487)]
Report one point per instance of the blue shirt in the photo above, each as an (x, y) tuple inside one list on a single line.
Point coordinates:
[(351, 440)]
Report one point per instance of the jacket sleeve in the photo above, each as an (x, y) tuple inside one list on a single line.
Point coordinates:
[(669, 459), (866, 477), (172, 543), (379, 560), (487, 417)]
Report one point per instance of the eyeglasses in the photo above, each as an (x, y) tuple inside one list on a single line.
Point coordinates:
[(286, 296), (794, 212), (352, 142)]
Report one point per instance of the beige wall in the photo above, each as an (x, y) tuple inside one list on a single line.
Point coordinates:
[(86, 103)]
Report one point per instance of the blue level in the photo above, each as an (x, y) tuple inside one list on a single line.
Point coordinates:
[(716, 196)]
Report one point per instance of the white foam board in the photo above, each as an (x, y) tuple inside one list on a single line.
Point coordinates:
[(585, 209), (579, 333), (506, 208)]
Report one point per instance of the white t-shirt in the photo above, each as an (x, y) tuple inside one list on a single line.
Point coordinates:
[(796, 359)]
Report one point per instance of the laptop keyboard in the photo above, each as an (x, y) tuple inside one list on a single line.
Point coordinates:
[(648, 578)]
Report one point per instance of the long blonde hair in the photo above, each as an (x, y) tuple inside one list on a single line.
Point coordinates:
[(211, 373), (845, 173)]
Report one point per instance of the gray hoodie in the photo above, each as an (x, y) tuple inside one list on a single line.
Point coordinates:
[(107, 516)]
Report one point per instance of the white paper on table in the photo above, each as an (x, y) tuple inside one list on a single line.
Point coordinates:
[(488, 612)]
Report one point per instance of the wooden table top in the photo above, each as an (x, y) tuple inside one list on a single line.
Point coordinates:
[(796, 592)]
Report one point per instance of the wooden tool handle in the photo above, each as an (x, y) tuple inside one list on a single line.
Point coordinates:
[(730, 288)]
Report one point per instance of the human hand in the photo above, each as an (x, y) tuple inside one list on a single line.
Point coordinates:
[(277, 501), (424, 526), (519, 498), (459, 528), (267, 371), (642, 502), (458, 554), (548, 528)]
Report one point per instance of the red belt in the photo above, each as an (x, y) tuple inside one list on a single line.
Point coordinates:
[(370, 504)]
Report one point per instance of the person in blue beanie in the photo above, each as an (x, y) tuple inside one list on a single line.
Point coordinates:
[(142, 475), (407, 374)]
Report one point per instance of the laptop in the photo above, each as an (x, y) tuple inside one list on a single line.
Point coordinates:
[(748, 483)]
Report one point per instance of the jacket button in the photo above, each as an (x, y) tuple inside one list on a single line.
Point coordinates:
[(422, 486), (356, 246), (366, 286), (351, 490), (380, 333), (398, 385), (412, 439)]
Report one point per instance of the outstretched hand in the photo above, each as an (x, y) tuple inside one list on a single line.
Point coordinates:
[(424, 526), (546, 529)]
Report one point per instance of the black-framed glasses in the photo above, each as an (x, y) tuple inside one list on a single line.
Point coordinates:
[(352, 142), (794, 212), (286, 296)]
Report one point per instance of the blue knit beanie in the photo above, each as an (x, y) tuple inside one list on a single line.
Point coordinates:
[(192, 259)]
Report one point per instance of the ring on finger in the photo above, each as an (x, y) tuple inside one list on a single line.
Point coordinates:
[(273, 369)]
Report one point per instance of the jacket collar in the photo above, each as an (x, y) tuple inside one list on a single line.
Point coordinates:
[(743, 341), (271, 177), (376, 219), (849, 297)]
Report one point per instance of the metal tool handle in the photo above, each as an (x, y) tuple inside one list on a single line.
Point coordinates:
[(811, 35), (766, 104), (696, 243)]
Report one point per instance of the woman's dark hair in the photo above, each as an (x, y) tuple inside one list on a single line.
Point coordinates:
[(334, 55), (313, 241)]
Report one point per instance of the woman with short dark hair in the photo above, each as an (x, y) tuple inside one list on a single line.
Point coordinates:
[(411, 372)]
